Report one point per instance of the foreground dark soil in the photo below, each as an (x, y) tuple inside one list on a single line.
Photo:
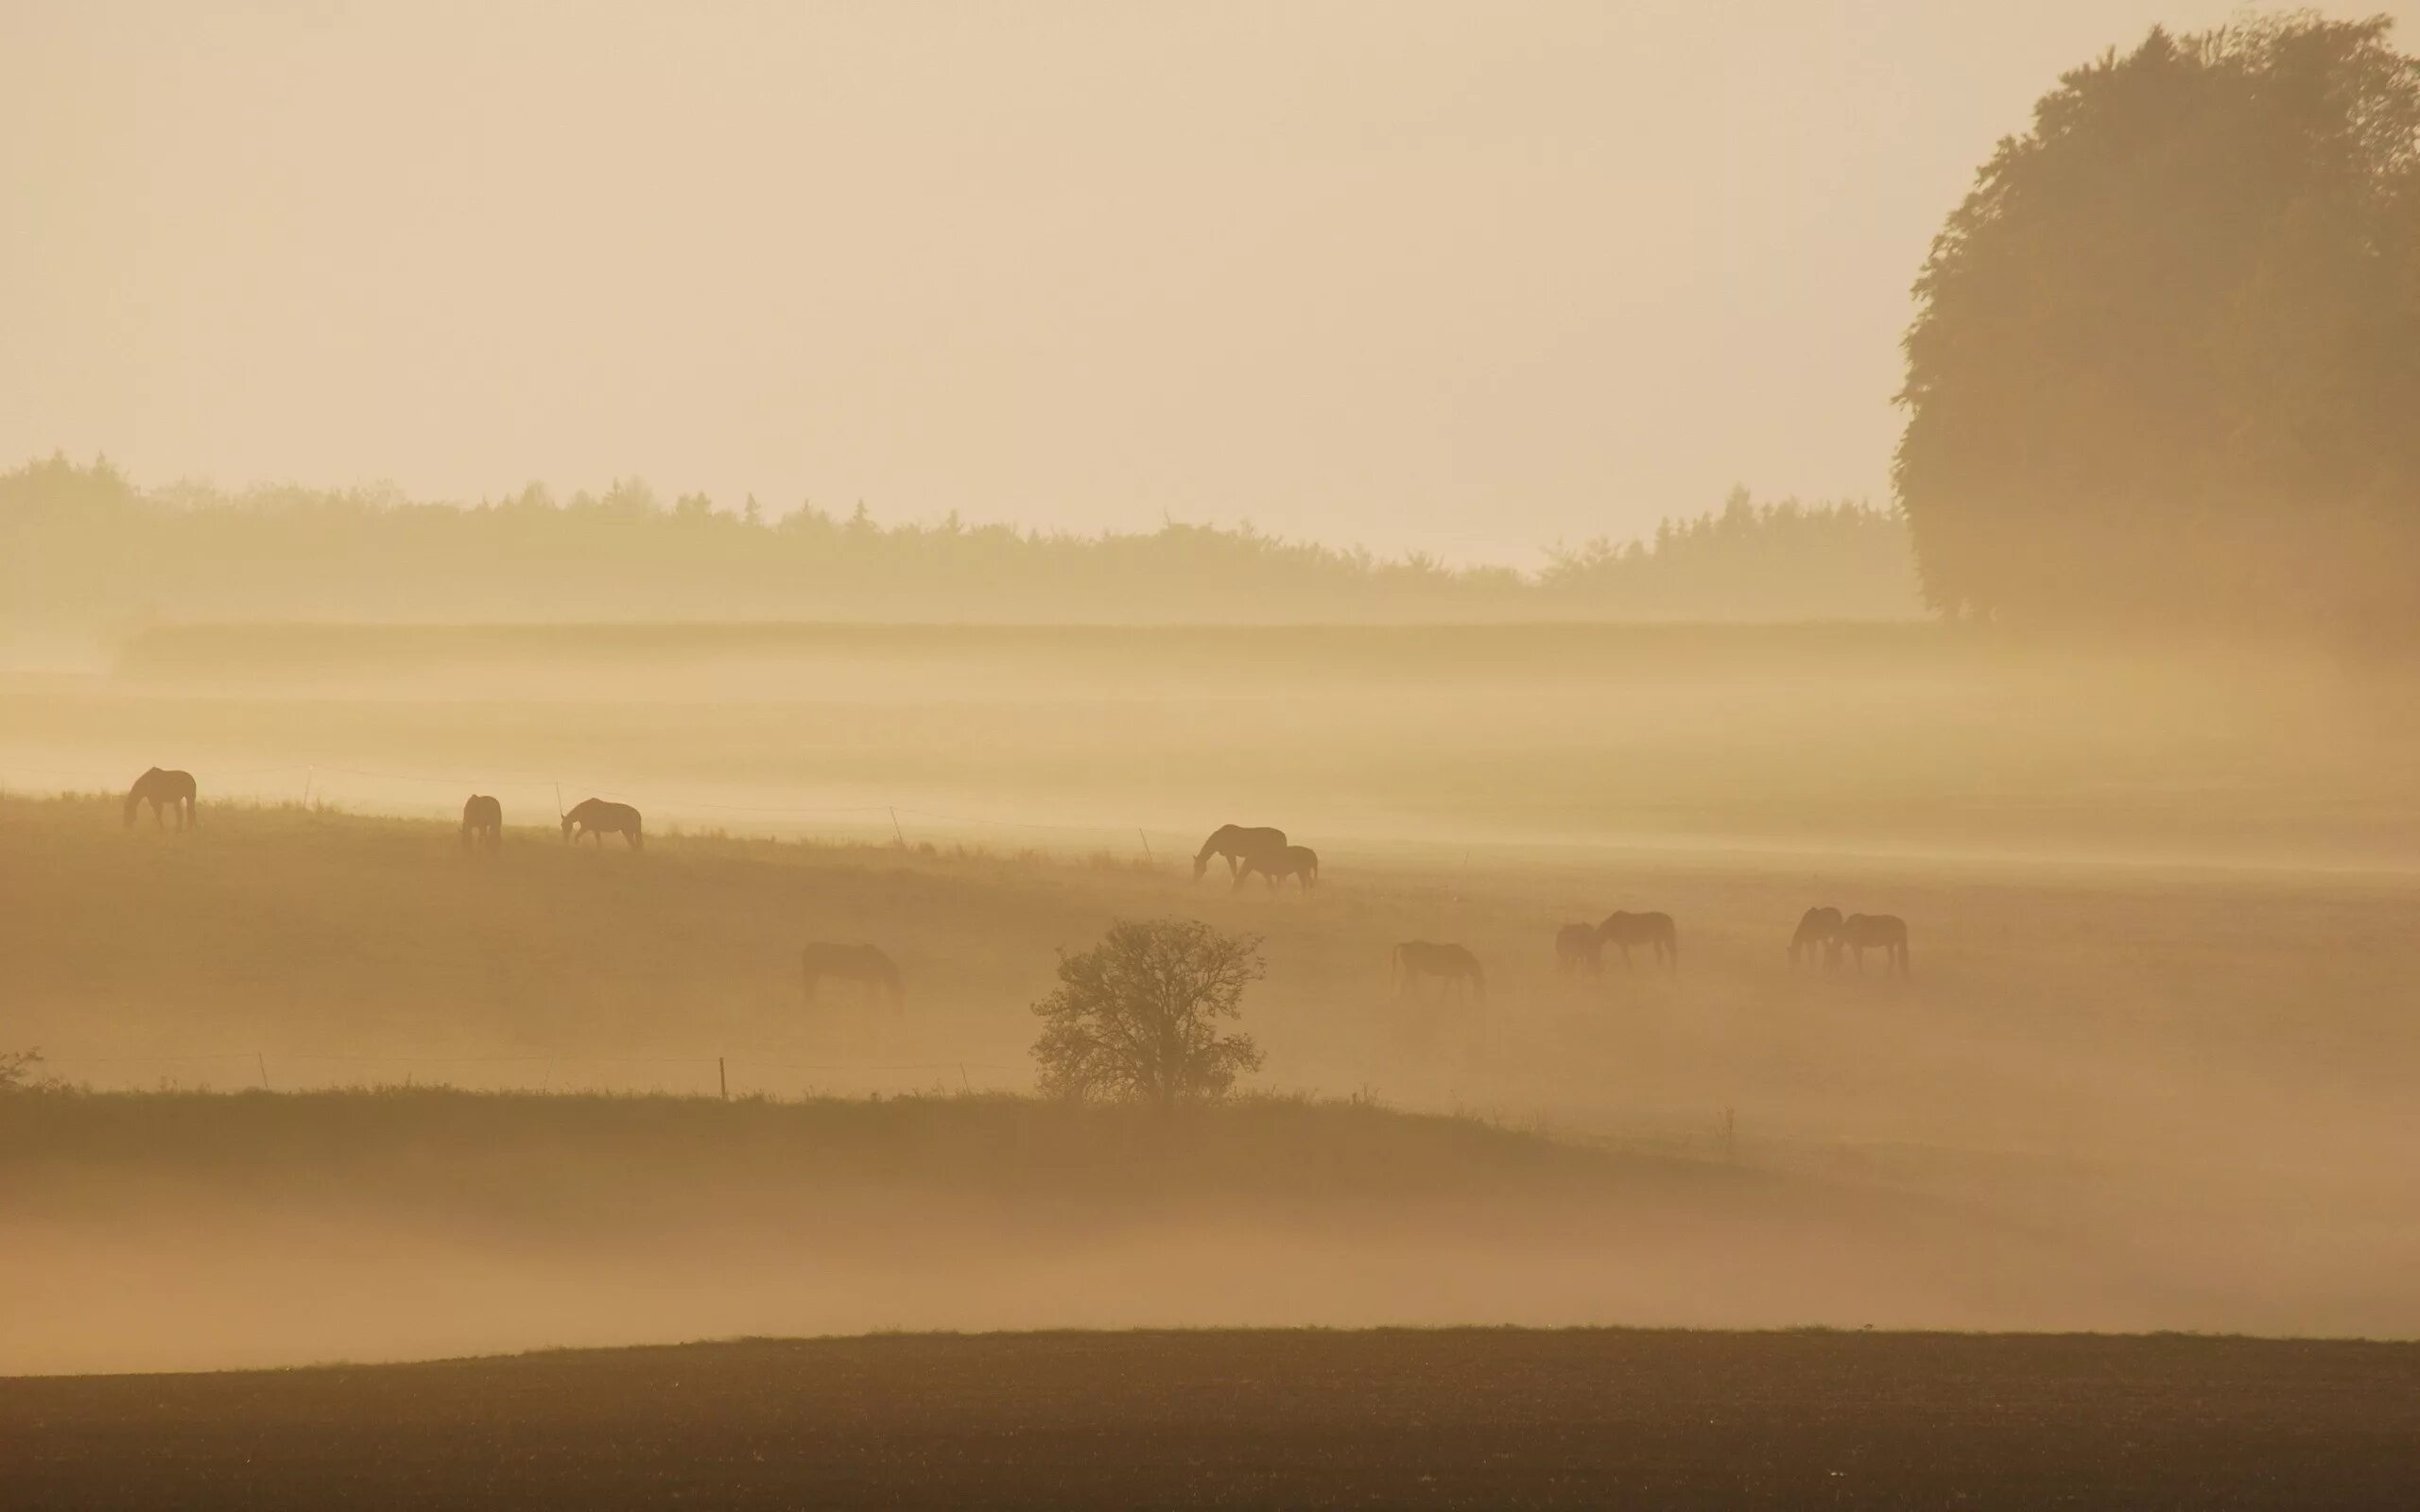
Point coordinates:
[(1449, 1418)]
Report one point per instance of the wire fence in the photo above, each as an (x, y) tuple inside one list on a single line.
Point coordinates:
[(743, 1074)]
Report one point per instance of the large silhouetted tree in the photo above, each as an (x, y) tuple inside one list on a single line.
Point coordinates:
[(2167, 360)]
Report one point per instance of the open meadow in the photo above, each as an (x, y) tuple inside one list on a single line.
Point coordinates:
[(2149, 1070)]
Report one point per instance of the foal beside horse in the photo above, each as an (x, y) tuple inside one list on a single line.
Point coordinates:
[(161, 790), (1299, 861)]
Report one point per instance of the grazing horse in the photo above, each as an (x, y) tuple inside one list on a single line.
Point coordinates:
[(1626, 929), (1816, 928), (861, 964), (482, 823), (1451, 965), (1299, 861), (1238, 844), (1579, 948), (1887, 932), (594, 815), (161, 790)]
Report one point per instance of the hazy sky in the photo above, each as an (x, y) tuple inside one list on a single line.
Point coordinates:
[(1470, 277)]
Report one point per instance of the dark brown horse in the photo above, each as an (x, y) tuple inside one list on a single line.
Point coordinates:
[(1451, 965), (594, 815), (1238, 844), (1299, 861), (861, 964), (1815, 929), (1578, 948), (161, 790), (482, 823), (1860, 933), (1655, 930)]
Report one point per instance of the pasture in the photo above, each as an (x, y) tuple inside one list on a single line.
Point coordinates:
[(2150, 1067)]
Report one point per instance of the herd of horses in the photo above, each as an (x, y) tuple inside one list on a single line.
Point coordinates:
[(1249, 851), (1579, 949)]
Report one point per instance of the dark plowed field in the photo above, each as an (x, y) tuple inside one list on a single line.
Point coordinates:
[(1454, 1419)]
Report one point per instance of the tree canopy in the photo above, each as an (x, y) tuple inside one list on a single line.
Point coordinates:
[(83, 550), (2165, 365), (1137, 1018)]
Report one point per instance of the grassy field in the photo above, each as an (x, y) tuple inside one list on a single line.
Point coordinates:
[(2109, 1097), (2152, 1069), (1446, 1419)]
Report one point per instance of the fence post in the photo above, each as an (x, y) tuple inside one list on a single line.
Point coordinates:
[(896, 832), (1147, 846), (262, 1062), (1730, 1142), (722, 1079)]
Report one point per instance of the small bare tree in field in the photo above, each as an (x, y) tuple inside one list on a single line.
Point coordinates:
[(1137, 1018), (21, 1071)]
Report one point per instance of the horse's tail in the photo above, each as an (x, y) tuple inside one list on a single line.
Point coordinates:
[(638, 840), (1313, 857)]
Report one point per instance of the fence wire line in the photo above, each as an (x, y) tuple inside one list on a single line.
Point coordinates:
[(566, 1060)]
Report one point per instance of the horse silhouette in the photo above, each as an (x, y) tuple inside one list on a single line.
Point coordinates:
[(1452, 965), (594, 815), (161, 790), (1238, 844), (862, 964), (1299, 861), (1655, 930), (1860, 933), (1815, 928), (482, 823), (1579, 948)]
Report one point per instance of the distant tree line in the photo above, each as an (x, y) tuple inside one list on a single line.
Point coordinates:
[(83, 550), (2166, 368)]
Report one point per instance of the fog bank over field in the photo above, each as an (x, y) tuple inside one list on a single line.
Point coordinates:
[(1874, 740)]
